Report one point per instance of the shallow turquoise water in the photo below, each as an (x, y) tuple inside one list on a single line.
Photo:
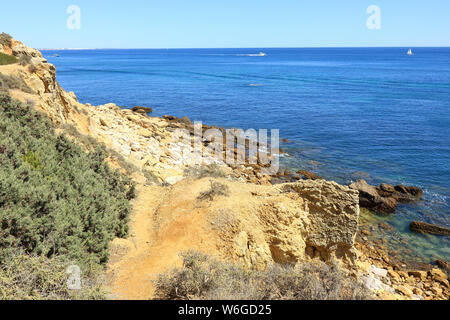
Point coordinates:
[(372, 113)]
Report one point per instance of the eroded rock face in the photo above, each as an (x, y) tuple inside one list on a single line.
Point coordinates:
[(333, 214), (385, 198), (258, 225)]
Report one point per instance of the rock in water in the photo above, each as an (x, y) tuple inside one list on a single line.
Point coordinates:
[(385, 198), (143, 110), (429, 228), (307, 175), (370, 198)]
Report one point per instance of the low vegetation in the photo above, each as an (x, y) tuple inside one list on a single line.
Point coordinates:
[(57, 202), (8, 82), (7, 59), (24, 60), (216, 189), (204, 171), (31, 277), (5, 39), (204, 278)]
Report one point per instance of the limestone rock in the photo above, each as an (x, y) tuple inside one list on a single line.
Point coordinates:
[(424, 227), (309, 175)]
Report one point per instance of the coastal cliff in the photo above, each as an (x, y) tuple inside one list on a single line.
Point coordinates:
[(233, 213)]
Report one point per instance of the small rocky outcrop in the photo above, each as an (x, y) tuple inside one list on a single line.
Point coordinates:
[(142, 110), (429, 228), (385, 198), (308, 175), (259, 225)]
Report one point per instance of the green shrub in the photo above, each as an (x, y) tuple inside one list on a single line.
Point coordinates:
[(205, 278), (7, 59), (56, 199)]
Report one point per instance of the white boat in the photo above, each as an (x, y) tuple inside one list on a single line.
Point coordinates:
[(410, 53), (261, 54)]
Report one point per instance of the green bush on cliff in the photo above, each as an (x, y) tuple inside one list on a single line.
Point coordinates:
[(56, 200), (7, 59)]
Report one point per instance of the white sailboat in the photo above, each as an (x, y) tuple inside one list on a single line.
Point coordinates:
[(410, 53)]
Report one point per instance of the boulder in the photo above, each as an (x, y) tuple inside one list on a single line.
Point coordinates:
[(443, 264), (142, 110), (170, 118), (385, 198), (418, 274), (186, 121), (371, 199), (429, 228), (307, 175)]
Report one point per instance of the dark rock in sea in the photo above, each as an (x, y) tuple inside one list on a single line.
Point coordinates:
[(308, 175), (185, 120), (170, 118), (444, 265), (387, 188), (385, 198), (143, 110), (429, 228), (285, 140), (370, 199), (408, 194)]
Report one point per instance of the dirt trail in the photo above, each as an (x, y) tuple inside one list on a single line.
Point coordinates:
[(155, 243)]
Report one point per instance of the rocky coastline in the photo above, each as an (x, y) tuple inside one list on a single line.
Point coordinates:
[(263, 219)]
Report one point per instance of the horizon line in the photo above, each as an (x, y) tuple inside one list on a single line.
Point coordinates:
[(256, 48)]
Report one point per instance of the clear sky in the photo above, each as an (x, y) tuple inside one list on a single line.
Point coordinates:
[(227, 23)]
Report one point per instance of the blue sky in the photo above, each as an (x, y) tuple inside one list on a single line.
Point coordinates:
[(227, 23)]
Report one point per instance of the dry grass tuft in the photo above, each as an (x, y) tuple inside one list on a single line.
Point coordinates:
[(204, 278), (216, 189)]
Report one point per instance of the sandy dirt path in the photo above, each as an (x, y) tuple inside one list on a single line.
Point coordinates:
[(159, 232)]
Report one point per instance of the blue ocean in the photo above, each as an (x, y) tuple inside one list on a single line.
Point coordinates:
[(349, 113)]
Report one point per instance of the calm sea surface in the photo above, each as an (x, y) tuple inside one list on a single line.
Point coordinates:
[(372, 113)]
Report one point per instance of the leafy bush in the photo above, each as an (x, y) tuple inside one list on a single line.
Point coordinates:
[(56, 199), (11, 82), (7, 59), (202, 277)]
